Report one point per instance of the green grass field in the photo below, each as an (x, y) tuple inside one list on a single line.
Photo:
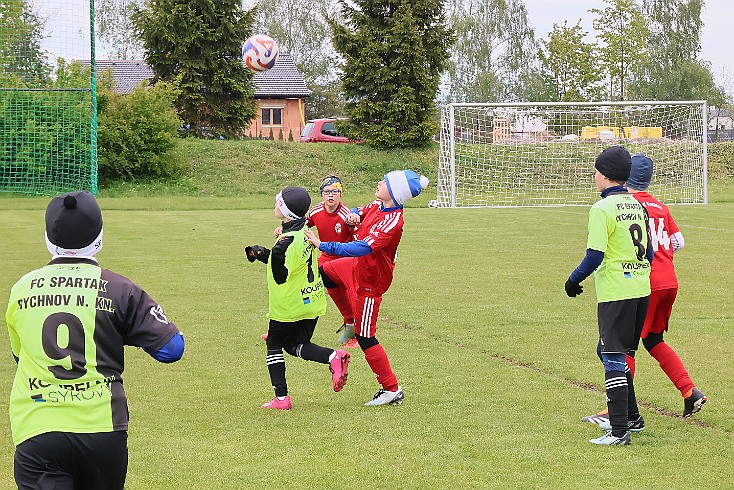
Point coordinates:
[(498, 365)]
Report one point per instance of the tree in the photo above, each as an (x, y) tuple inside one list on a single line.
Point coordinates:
[(691, 80), (674, 29), (299, 26), (570, 65), (197, 45), (672, 70), (114, 27), (494, 57), (622, 29), (394, 52), (21, 57)]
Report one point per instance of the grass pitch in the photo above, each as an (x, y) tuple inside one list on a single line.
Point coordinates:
[(498, 365)]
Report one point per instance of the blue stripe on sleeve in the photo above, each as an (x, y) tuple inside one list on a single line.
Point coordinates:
[(357, 248)]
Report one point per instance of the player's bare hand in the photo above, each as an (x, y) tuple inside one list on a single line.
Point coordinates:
[(277, 232), (312, 238), (352, 219)]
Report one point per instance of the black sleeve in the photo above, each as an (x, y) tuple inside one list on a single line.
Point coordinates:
[(277, 260), (139, 319)]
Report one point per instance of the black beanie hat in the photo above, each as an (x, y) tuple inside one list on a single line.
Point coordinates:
[(293, 202), (73, 221), (614, 163)]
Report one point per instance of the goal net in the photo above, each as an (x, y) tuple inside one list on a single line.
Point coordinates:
[(48, 125), (542, 154)]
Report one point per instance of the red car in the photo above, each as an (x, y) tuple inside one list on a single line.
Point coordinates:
[(322, 130)]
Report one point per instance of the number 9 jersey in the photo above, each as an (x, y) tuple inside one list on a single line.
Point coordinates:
[(68, 323)]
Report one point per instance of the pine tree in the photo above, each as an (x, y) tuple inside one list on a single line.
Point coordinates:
[(394, 51), (197, 45)]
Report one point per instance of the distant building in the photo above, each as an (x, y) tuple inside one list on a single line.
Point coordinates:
[(280, 94), (722, 119), (720, 124)]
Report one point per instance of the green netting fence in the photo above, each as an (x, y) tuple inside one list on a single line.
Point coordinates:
[(48, 122)]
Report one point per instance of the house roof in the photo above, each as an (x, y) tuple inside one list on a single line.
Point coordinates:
[(281, 81), (126, 74), (721, 113)]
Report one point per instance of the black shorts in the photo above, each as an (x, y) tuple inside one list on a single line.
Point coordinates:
[(70, 461), (620, 324), (287, 335)]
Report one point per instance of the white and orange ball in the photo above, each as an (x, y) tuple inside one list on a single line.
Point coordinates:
[(260, 52)]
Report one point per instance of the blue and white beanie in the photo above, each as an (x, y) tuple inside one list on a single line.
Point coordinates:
[(404, 184), (641, 172)]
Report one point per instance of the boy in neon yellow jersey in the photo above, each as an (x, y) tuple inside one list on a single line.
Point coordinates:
[(68, 323), (619, 253), (297, 298)]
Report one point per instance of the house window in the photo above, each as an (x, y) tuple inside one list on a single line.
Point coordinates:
[(272, 116)]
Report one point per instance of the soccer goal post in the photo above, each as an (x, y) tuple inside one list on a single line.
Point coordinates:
[(48, 121), (543, 153)]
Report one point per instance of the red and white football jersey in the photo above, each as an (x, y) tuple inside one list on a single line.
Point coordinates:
[(382, 230), (331, 226), (662, 227)]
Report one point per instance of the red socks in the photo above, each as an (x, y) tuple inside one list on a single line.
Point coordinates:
[(673, 367), (380, 365), (630, 364)]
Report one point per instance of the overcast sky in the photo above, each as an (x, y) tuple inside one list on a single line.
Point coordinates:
[(716, 36)]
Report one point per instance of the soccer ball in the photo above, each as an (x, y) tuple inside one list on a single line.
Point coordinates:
[(260, 52), (432, 203)]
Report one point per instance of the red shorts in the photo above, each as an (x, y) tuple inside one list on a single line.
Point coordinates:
[(365, 318), (658, 311), (341, 271)]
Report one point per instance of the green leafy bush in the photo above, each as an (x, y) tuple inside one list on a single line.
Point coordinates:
[(137, 132), (721, 159)]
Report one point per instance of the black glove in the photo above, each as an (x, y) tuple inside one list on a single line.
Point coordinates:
[(573, 289), (256, 252)]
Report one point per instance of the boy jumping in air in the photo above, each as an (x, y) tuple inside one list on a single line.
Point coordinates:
[(367, 267)]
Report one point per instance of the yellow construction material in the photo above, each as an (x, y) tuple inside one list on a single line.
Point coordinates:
[(630, 132)]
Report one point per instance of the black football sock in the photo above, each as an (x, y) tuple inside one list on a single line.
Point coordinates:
[(633, 412), (312, 352), (616, 388), (276, 369)]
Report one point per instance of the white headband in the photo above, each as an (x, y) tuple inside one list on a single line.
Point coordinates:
[(280, 202), (88, 251)]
